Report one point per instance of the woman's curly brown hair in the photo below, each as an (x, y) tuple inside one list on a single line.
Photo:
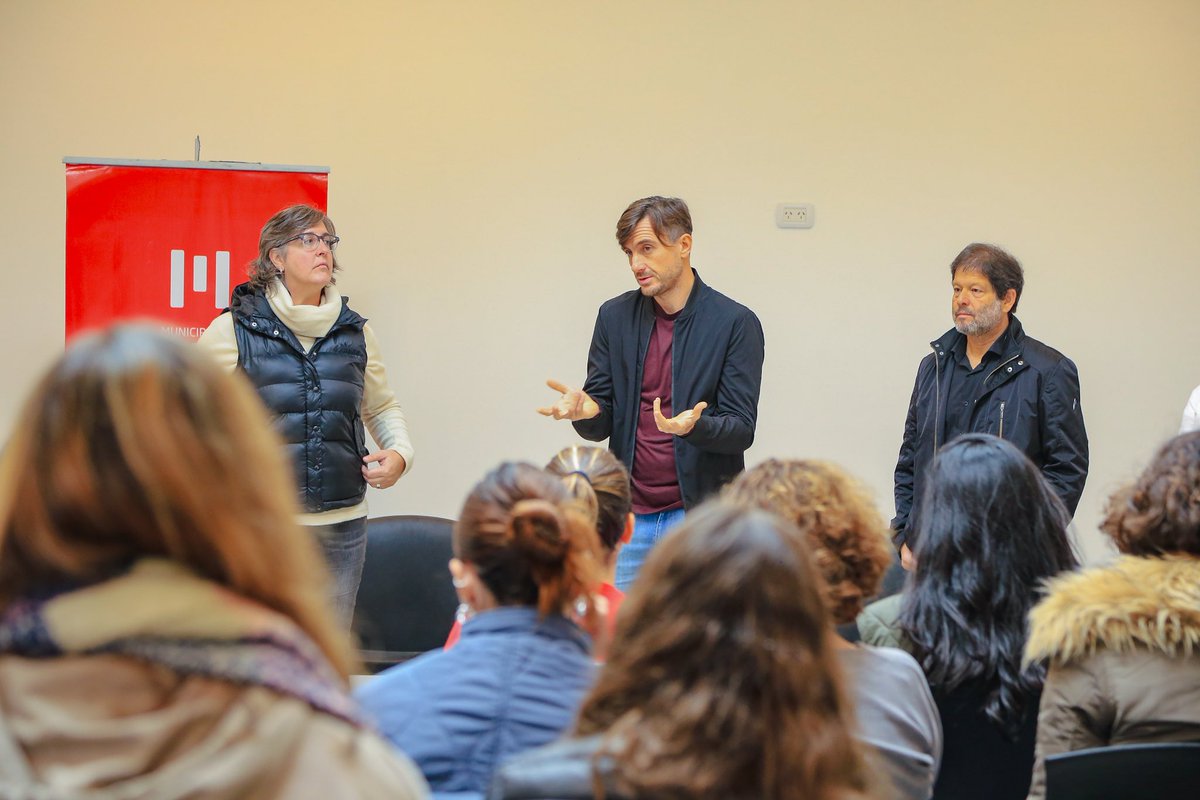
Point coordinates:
[(1160, 512), (847, 533)]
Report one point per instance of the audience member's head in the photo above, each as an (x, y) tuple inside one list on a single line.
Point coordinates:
[(136, 444), (598, 480), (522, 540), (1160, 512), (846, 534), (991, 530), (722, 679)]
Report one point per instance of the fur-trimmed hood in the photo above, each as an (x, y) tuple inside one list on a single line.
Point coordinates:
[(1135, 602)]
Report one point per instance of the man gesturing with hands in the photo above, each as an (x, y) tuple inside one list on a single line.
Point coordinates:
[(673, 343)]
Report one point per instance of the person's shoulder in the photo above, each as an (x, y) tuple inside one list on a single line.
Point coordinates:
[(886, 609), (931, 350), (623, 301), (348, 760), (620, 310), (711, 300), (402, 679), (877, 622), (220, 328), (1039, 354), (563, 768), (347, 316), (899, 662)]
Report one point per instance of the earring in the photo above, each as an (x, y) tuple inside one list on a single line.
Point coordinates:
[(463, 613), (581, 607)]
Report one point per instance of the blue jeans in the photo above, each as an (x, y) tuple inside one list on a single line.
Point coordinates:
[(345, 547), (647, 530)]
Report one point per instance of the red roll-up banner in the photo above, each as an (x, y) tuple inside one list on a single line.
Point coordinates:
[(168, 240)]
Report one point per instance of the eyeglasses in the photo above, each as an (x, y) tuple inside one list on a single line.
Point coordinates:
[(309, 241)]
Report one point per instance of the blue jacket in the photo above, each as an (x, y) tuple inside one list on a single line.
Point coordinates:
[(717, 356), (511, 683)]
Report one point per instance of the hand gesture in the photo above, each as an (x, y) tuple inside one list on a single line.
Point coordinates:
[(681, 424), (573, 405), (388, 467)]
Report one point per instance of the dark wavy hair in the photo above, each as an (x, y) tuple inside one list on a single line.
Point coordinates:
[(847, 535), (991, 531), (529, 540), (1160, 512), (722, 680)]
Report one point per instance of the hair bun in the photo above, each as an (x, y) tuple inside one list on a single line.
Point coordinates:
[(539, 531)]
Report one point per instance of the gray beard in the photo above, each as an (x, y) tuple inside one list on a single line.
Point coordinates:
[(984, 321)]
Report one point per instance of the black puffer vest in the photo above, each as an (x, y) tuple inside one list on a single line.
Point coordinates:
[(316, 396)]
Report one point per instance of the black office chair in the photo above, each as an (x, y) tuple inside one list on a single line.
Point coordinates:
[(1160, 771), (406, 600)]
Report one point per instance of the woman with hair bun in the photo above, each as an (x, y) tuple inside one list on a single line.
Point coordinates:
[(600, 483), (525, 568)]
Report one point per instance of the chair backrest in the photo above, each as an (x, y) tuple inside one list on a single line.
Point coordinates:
[(406, 600), (1159, 771)]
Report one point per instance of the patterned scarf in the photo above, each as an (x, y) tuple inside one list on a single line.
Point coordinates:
[(160, 612)]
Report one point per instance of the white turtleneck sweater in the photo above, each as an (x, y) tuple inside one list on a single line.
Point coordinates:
[(381, 411)]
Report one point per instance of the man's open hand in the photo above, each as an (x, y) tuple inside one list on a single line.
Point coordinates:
[(574, 404), (682, 423)]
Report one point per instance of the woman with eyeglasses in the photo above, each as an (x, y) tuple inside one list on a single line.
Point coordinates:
[(315, 363)]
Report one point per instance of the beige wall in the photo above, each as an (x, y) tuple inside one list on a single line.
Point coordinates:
[(482, 151)]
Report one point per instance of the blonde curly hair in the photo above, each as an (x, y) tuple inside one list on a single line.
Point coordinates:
[(834, 511)]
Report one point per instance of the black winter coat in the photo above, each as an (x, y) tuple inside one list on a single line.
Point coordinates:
[(316, 396), (1031, 399)]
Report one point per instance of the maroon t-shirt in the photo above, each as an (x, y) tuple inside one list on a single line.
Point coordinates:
[(653, 480)]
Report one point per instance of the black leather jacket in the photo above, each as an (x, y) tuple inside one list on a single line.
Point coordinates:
[(717, 356), (1031, 398)]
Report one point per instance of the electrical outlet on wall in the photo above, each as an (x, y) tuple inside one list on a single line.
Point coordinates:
[(794, 215)]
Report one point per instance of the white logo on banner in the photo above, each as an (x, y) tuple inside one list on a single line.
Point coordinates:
[(200, 278)]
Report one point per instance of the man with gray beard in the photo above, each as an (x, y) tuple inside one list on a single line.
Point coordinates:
[(986, 375)]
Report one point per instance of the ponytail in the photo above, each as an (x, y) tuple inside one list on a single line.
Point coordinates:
[(600, 483)]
